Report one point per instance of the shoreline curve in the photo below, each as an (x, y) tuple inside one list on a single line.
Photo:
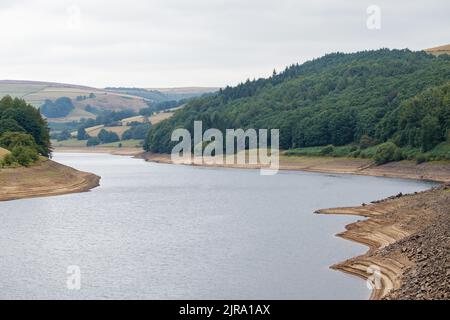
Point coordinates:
[(47, 178)]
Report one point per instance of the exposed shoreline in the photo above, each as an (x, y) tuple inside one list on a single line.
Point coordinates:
[(406, 234), (47, 178), (437, 171), (402, 232), (111, 150)]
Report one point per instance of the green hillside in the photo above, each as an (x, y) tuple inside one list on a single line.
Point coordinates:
[(338, 99)]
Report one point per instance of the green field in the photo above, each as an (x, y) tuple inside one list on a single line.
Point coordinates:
[(74, 143), (125, 144)]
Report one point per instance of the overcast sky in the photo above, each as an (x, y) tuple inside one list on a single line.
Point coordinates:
[(165, 43)]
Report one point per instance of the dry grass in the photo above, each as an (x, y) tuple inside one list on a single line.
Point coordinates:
[(19, 90), (72, 143), (118, 130), (187, 90), (140, 119), (439, 50), (3, 153), (89, 130), (157, 118)]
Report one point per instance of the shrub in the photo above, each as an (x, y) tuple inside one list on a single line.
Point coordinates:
[(60, 108), (355, 154), (94, 141), (138, 132), (64, 135), (421, 159), (25, 155), (398, 155), (108, 136), (366, 142), (388, 152), (81, 134), (10, 140), (326, 151), (8, 161)]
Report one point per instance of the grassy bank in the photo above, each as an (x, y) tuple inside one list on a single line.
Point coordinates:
[(440, 152)]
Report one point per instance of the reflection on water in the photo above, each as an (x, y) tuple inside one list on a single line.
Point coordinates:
[(155, 231)]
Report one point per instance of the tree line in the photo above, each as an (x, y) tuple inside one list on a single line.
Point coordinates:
[(23, 131), (379, 96), (59, 108)]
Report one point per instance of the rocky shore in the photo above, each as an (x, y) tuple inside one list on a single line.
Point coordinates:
[(409, 243)]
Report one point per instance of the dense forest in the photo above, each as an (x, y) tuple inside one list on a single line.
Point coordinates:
[(23, 132), (365, 98)]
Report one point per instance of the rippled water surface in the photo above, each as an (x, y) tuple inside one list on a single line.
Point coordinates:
[(155, 231)]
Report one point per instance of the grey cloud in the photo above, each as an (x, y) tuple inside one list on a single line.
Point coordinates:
[(218, 42)]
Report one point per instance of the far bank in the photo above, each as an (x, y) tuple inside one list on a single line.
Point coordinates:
[(438, 171)]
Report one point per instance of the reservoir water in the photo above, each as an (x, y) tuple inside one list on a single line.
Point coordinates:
[(156, 231)]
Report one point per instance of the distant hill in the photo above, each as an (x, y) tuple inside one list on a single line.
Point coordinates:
[(36, 92), (186, 92), (150, 95), (157, 95), (362, 98), (439, 50), (83, 97)]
